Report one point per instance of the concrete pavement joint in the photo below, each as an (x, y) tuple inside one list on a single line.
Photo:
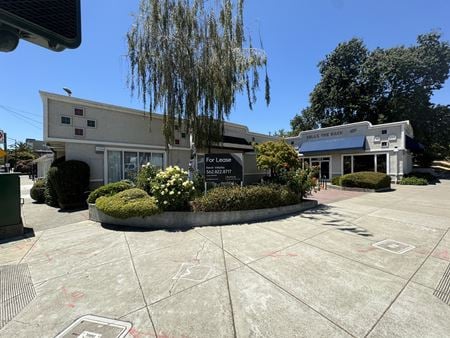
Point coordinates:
[(295, 297), (228, 284), (29, 250), (278, 286), (140, 286), (404, 287)]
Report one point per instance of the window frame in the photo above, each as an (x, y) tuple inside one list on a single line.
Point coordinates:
[(75, 132), (79, 108), (91, 120), (67, 117)]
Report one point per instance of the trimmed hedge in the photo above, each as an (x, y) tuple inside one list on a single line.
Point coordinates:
[(109, 189), (366, 180), (37, 192), (128, 203), (232, 198), (51, 197), (411, 180), (336, 180)]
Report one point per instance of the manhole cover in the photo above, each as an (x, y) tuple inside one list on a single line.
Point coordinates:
[(394, 246), (90, 326), (443, 289), (16, 291)]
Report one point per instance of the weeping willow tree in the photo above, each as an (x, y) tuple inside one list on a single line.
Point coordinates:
[(190, 58)]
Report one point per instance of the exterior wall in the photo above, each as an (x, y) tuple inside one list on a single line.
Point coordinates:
[(88, 154), (124, 129), (386, 138)]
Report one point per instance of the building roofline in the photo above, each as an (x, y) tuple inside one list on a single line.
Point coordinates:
[(370, 126), (107, 106)]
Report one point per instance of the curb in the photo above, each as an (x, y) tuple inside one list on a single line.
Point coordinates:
[(183, 219), (338, 187)]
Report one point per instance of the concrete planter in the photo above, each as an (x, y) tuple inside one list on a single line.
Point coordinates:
[(338, 187), (181, 219)]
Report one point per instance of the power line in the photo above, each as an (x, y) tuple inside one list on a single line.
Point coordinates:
[(19, 110), (26, 119)]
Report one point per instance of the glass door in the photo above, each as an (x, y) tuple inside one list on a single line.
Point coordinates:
[(325, 170), (114, 159)]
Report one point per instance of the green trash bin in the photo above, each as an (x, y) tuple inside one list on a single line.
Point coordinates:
[(10, 216)]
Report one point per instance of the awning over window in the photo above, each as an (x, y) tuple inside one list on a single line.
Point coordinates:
[(413, 145), (327, 145)]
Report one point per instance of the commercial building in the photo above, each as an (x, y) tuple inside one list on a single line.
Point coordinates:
[(116, 141), (360, 146)]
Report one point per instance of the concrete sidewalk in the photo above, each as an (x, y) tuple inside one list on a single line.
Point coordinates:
[(39, 217), (321, 273)]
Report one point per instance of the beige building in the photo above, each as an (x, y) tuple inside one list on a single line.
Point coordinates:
[(116, 141), (360, 146)]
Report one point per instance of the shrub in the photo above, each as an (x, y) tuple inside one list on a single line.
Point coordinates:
[(336, 180), (128, 203), (430, 178), (51, 198), (229, 198), (411, 180), (300, 181), (145, 176), (109, 189), (367, 180), (172, 189), (71, 183), (37, 192)]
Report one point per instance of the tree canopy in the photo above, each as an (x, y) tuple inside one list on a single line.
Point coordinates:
[(275, 156), (380, 86), (190, 58)]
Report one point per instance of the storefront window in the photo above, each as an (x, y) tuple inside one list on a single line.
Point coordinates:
[(347, 164), (158, 160), (381, 163), (130, 165), (114, 166), (145, 158), (363, 163), (126, 164)]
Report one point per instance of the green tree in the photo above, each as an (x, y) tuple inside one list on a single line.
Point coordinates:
[(383, 85), (276, 156), (190, 58)]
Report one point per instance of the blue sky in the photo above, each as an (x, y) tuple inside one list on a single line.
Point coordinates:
[(297, 34)]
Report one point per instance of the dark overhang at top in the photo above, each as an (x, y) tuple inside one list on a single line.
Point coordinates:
[(336, 144)]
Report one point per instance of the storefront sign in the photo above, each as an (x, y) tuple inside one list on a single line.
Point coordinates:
[(320, 135), (223, 167)]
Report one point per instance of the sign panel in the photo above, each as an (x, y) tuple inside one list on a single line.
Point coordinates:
[(223, 167), (2, 153)]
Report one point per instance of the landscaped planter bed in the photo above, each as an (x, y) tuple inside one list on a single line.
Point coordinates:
[(184, 219), (338, 187)]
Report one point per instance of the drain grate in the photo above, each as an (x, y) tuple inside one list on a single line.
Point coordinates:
[(16, 291), (90, 326), (443, 289), (393, 246)]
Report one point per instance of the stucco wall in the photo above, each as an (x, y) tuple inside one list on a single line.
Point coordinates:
[(87, 153)]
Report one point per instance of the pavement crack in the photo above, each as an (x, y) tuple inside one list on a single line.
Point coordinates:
[(228, 284), (140, 285), (406, 284)]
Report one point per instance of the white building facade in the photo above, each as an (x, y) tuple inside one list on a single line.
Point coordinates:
[(361, 146), (116, 141)]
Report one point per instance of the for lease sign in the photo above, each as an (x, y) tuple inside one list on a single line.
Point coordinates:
[(223, 167)]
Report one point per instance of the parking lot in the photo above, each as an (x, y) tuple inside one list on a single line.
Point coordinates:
[(375, 264)]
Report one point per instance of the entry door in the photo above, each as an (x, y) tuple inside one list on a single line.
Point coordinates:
[(325, 170)]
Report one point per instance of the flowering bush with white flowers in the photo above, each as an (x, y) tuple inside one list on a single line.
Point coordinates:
[(146, 175), (172, 189)]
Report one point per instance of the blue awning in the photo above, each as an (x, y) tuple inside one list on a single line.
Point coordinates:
[(343, 143), (413, 145)]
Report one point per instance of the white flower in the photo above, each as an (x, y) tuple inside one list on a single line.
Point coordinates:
[(171, 192), (179, 193), (165, 202)]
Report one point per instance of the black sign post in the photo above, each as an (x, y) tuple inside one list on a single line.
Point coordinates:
[(221, 168)]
